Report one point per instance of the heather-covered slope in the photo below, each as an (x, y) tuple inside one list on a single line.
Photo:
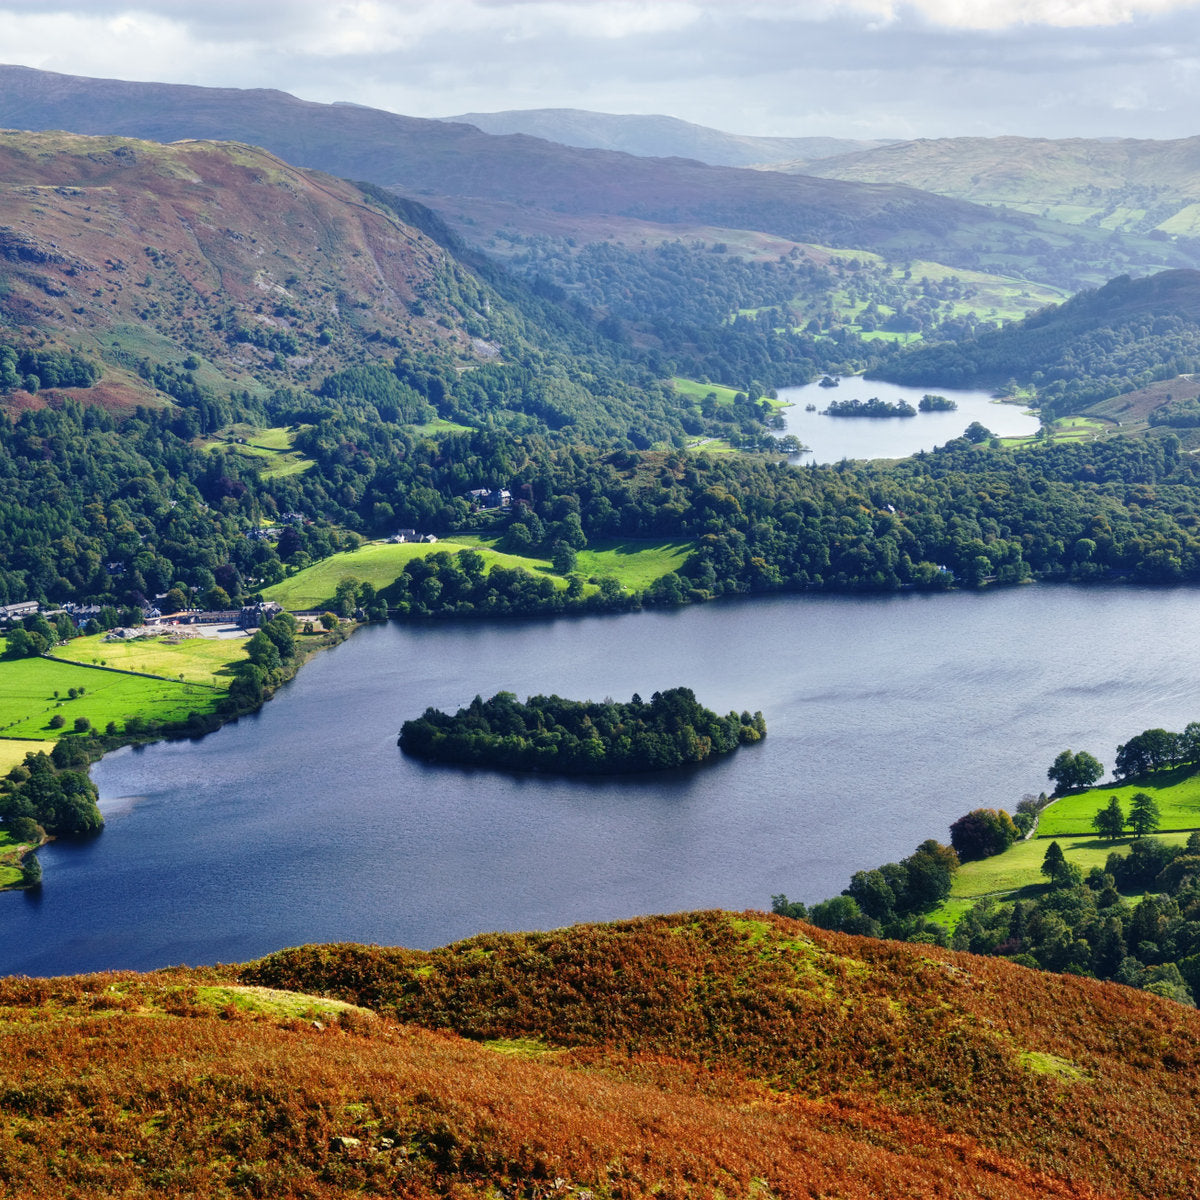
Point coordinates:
[(703, 1054), (145, 253)]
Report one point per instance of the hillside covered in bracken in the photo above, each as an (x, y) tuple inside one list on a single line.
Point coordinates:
[(258, 273), (703, 1054)]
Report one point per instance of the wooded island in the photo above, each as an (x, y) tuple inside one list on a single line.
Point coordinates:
[(575, 737)]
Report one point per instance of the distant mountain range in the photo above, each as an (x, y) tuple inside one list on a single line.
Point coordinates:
[(483, 182), (659, 137)]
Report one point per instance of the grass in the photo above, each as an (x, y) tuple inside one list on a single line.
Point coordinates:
[(13, 751), (697, 391), (274, 1002), (379, 563), (635, 564), (1177, 794), (196, 659), (27, 699), (440, 425), (1017, 873), (10, 872), (272, 447)]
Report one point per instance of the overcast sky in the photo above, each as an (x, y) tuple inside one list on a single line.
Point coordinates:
[(852, 68)]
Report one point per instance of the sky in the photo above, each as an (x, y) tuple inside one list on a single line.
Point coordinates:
[(799, 68)]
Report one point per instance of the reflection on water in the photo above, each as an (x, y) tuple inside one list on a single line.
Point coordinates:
[(830, 439), (888, 718)]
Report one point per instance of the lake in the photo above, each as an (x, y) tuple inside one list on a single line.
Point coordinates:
[(830, 439), (888, 717)]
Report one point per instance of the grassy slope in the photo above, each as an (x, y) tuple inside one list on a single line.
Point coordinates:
[(27, 702), (634, 563), (13, 751), (1177, 794), (700, 1055)]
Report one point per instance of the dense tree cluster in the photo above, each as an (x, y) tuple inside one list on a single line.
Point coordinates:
[(889, 901), (1070, 770), (33, 369), (1085, 926), (548, 733), (982, 833), (874, 407), (1098, 344), (53, 791)]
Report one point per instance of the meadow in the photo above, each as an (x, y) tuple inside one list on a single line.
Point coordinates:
[(189, 659), (33, 690), (1177, 794), (634, 563), (271, 446)]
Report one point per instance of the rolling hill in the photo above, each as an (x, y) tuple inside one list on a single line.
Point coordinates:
[(1135, 185), (704, 1054), (1099, 344), (466, 174)]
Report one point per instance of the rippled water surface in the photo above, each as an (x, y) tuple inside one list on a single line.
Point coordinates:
[(888, 717)]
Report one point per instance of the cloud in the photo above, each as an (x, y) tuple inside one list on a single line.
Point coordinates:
[(873, 68)]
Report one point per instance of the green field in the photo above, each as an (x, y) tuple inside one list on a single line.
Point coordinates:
[(10, 873), (27, 700), (440, 425), (13, 751), (634, 563), (270, 446), (697, 391), (1017, 873), (379, 563), (1177, 794), (195, 659)]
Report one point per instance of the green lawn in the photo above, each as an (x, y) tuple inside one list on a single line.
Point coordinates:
[(1017, 873), (634, 563), (196, 659), (440, 425), (27, 701), (270, 446), (10, 873), (1177, 794), (689, 387)]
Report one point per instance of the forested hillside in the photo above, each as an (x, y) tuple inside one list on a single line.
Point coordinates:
[(1099, 344)]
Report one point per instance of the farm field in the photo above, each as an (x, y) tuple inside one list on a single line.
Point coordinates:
[(28, 701), (635, 564), (194, 659), (379, 563), (10, 873), (13, 751)]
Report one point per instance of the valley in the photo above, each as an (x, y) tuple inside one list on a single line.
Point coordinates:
[(544, 404)]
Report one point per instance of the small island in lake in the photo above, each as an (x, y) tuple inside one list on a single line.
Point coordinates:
[(580, 737), (870, 408), (931, 403)]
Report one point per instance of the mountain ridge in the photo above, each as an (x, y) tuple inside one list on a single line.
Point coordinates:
[(452, 167), (659, 136)]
